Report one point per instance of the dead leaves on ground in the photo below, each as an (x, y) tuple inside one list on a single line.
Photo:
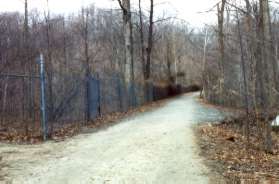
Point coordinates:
[(18, 133), (225, 144)]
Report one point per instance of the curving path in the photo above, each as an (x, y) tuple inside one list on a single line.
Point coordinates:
[(156, 147)]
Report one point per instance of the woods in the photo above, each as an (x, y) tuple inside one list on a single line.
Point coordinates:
[(151, 92), (235, 61), (93, 58), (247, 63)]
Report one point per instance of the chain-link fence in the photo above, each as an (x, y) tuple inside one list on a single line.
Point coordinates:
[(42, 102), (98, 95), (19, 103), (69, 99)]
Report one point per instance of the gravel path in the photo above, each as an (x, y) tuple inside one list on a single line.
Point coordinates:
[(155, 147)]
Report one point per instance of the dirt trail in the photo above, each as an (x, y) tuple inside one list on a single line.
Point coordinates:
[(153, 147)]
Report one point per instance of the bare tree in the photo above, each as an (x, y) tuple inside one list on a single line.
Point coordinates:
[(150, 41), (221, 9), (128, 35), (29, 64), (49, 63), (85, 37), (204, 62), (243, 67), (266, 58), (141, 28)]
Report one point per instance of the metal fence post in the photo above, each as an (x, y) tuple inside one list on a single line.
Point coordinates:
[(120, 93), (99, 95), (43, 99), (133, 94), (150, 92)]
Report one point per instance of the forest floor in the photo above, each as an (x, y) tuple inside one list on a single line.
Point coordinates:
[(229, 155), (158, 146)]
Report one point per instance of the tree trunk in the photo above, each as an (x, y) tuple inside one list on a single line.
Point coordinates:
[(65, 46), (150, 41), (28, 63), (250, 40), (221, 49), (246, 91), (204, 64), (270, 48), (142, 41), (49, 70), (265, 46), (85, 15), (169, 58), (129, 59), (128, 36), (174, 55)]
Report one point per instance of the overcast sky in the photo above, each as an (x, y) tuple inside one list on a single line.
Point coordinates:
[(188, 10)]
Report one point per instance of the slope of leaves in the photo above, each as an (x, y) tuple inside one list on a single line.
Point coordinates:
[(229, 154)]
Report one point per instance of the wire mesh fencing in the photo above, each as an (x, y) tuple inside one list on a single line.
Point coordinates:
[(70, 100), (19, 103), (88, 98)]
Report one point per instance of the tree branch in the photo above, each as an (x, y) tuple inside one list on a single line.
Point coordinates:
[(121, 5), (163, 19), (237, 8)]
